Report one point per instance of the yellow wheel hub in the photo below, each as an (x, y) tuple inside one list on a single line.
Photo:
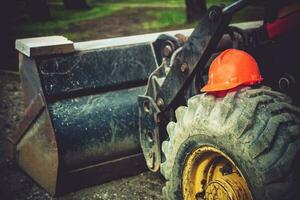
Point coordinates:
[(211, 175)]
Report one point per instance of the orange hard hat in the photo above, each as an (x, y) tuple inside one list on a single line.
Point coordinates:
[(230, 69)]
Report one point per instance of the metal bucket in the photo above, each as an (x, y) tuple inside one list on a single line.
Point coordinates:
[(80, 126)]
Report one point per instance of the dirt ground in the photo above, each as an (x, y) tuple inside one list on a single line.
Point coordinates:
[(14, 184)]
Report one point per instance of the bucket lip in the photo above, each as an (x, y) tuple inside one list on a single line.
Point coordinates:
[(41, 46), (126, 40)]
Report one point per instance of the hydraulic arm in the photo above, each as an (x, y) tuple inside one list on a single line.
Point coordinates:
[(169, 83)]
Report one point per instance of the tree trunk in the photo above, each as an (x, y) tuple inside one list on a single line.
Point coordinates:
[(76, 4), (38, 10), (8, 54), (195, 9)]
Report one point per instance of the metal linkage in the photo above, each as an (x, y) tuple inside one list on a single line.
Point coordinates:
[(194, 55), (234, 7)]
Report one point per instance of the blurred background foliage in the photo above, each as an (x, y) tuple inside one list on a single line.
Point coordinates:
[(81, 24), (81, 20)]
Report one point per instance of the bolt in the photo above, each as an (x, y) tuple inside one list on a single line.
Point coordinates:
[(184, 67), (157, 118), (151, 160), (213, 15), (160, 102), (150, 137), (284, 84), (167, 50), (151, 155), (182, 38), (146, 106)]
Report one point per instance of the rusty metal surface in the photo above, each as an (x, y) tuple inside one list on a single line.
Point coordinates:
[(30, 81), (150, 140), (30, 114), (37, 153)]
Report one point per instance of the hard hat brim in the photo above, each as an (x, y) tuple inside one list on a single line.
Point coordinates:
[(219, 87), (227, 86)]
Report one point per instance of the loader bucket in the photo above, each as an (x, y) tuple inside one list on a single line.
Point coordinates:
[(80, 126)]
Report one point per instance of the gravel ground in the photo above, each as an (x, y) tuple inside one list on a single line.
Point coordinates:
[(14, 184)]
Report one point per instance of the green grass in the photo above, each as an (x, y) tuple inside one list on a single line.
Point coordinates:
[(61, 19), (138, 1), (170, 17), (176, 16), (173, 15), (181, 2)]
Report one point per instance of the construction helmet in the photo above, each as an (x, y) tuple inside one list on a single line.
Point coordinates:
[(230, 69)]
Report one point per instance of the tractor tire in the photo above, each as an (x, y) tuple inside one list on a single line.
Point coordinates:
[(256, 131)]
